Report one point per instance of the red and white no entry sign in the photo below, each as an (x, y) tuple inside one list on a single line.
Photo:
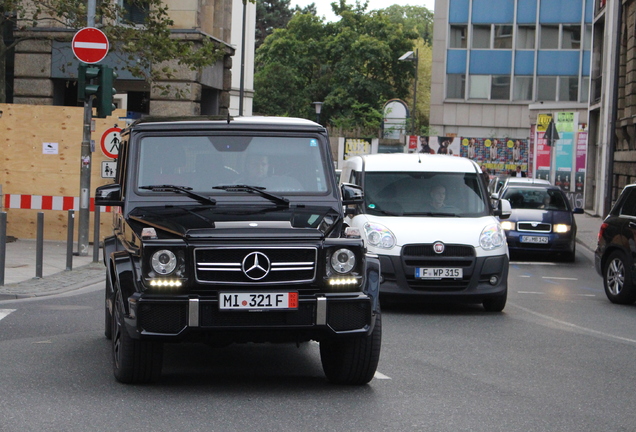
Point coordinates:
[(90, 45)]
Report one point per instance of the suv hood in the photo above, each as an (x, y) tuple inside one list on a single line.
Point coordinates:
[(408, 230), (235, 221)]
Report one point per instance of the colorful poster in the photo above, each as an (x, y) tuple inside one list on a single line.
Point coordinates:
[(496, 155), (544, 151), (445, 145), (564, 150), (580, 157), (356, 147), (418, 144)]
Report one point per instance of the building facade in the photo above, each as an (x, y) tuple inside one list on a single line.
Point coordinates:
[(501, 68), (45, 69)]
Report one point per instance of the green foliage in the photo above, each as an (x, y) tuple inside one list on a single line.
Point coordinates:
[(275, 14), (151, 49), (351, 65), (418, 18)]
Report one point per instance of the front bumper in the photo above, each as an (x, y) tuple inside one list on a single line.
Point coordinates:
[(557, 243), (195, 317), (398, 278)]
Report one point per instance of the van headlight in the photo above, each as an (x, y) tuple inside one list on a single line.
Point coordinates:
[(492, 237), (379, 236)]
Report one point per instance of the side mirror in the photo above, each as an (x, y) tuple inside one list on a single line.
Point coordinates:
[(504, 209), (351, 194), (108, 195)]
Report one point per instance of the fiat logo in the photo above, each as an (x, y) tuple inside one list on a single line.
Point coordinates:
[(438, 247)]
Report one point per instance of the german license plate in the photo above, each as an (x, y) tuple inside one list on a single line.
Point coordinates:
[(438, 273), (534, 239), (258, 301)]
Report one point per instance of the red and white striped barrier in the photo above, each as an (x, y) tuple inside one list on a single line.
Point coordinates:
[(46, 202)]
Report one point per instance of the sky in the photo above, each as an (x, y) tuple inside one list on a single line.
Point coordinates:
[(324, 6)]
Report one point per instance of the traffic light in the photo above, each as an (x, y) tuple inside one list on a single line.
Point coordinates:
[(97, 80), (86, 75), (105, 93)]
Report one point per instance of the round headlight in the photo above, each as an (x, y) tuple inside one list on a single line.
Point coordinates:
[(379, 236), (164, 261), (343, 260)]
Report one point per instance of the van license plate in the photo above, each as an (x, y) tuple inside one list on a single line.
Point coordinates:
[(258, 301), (534, 239), (438, 273)]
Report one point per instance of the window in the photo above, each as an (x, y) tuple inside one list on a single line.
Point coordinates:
[(481, 36), (458, 36), (479, 87), (546, 88), (525, 37), (587, 38), (503, 37), (571, 37), (549, 37), (135, 11), (455, 86), (569, 88), (585, 89), (523, 88), (500, 87)]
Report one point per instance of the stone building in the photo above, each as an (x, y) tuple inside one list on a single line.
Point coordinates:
[(45, 69)]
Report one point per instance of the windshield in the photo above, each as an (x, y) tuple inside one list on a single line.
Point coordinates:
[(276, 164), (535, 198), (424, 194)]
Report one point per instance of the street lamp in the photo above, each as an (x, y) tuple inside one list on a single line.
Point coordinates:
[(410, 56), (318, 106)]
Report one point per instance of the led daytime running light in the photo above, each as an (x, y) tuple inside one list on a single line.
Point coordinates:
[(343, 281), (166, 283)]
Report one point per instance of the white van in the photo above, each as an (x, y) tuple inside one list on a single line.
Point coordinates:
[(429, 219)]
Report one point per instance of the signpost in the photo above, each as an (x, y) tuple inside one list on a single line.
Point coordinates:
[(110, 142), (90, 45)]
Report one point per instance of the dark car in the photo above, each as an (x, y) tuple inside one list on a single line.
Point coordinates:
[(232, 231), (542, 220), (614, 255)]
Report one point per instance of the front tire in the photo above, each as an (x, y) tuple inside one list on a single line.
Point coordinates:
[(496, 304), (134, 361), (617, 279), (352, 361)]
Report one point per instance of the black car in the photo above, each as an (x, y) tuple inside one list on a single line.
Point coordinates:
[(542, 220), (232, 231), (614, 255)]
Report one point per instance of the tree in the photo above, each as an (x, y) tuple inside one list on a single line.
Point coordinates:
[(151, 49), (351, 65), (412, 17), (274, 14)]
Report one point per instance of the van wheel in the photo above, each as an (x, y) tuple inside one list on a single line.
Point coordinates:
[(352, 361), (496, 304)]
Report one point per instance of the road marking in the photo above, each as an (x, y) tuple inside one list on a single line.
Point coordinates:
[(559, 278), (532, 263), (525, 276), (5, 312), (379, 375), (574, 326), (530, 292)]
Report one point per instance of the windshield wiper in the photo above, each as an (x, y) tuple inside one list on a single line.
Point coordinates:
[(181, 189), (254, 189), (434, 214)]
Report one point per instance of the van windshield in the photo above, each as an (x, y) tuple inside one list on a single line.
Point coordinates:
[(424, 194)]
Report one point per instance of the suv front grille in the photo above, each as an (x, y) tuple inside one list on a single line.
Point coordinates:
[(534, 227), (265, 265)]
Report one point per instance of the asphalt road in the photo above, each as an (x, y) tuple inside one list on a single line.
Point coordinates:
[(559, 358)]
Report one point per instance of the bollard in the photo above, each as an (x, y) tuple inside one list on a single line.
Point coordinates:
[(96, 234), (69, 240), (3, 244), (39, 248)]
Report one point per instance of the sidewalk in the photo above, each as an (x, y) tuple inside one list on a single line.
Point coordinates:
[(20, 281), (20, 271)]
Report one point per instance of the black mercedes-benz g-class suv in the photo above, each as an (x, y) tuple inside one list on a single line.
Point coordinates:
[(231, 231)]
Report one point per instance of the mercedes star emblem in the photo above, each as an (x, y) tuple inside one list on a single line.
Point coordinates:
[(256, 265)]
